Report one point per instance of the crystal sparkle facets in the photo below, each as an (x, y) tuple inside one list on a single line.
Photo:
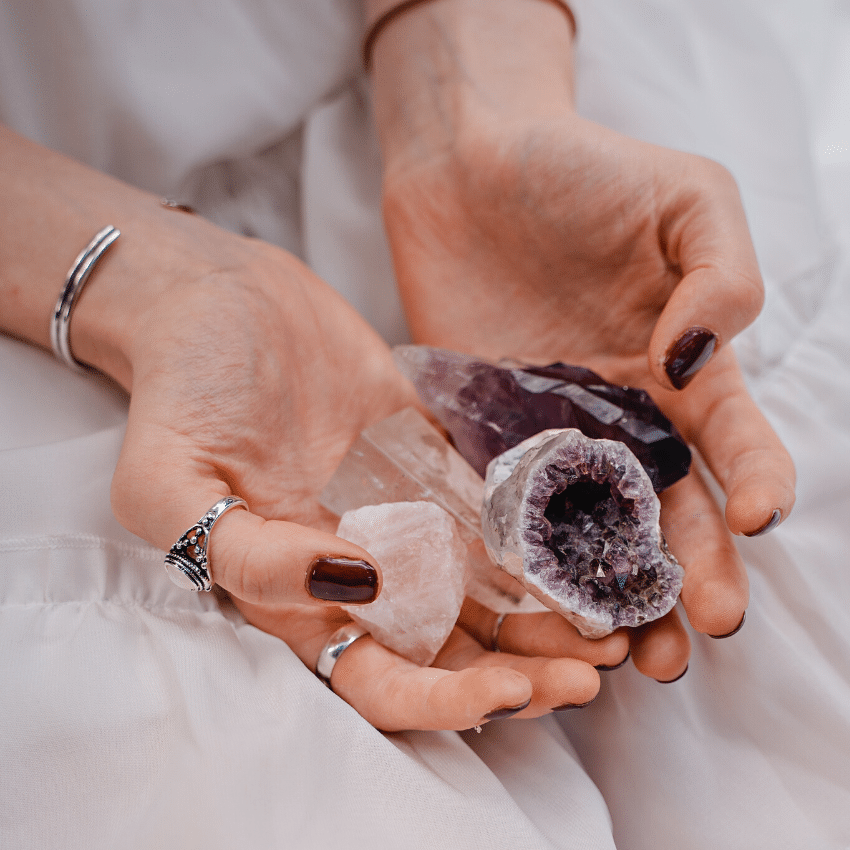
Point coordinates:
[(575, 520), (488, 409), (404, 458)]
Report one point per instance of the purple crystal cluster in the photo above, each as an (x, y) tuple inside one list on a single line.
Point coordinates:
[(575, 520), (488, 409)]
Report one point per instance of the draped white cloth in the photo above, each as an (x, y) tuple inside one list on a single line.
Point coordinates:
[(135, 715)]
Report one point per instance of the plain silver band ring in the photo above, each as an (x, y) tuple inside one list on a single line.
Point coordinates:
[(60, 323), (187, 563), (339, 641), (494, 637)]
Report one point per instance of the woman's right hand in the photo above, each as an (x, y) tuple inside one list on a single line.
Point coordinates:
[(250, 376), (253, 378)]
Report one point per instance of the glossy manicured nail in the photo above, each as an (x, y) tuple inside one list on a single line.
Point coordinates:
[(342, 580), (606, 668), (502, 713), (733, 632), (568, 706), (688, 355), (775, 517), (670, 681)]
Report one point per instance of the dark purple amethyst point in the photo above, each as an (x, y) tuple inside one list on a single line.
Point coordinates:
[(488, 409)]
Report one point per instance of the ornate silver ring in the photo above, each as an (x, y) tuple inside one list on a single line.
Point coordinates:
[(339, 641), (187, 563)]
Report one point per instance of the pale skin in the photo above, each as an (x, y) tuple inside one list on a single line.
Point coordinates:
[(600, 249), (249, 375)]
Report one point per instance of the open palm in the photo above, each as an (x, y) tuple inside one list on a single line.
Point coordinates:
[(563, 240)]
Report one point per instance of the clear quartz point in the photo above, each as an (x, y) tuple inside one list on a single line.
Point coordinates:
[(404, 458)]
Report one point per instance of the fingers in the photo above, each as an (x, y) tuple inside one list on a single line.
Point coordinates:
[(390, 692), (705, 235), (158, 492), (661, 649), (743, 452), (465, 687), (715, 592), (557, 683), (546, 634), (393, 694)]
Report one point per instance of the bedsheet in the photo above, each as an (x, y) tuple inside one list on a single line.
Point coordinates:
[(135, 715)]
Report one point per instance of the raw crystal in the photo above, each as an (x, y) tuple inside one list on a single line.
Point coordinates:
[(576, 521), (488, 409), (404, 458), (423, 563)]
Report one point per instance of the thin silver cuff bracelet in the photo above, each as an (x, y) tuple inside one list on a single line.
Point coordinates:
[(187, 563), (76, 280)]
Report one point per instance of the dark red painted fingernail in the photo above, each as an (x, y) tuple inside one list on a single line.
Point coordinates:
[(670, 681), (606, 668), (342, 580), (688, 355), (774, 520), (733, 632), (567, 706), (502, 713)]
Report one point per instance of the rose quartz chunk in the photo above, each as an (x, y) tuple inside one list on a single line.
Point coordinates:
[(423, 561)]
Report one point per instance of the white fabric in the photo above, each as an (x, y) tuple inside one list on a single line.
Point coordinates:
[(136, 715)]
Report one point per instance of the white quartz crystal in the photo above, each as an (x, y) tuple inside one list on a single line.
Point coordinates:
[(404, 458), (424, 565)]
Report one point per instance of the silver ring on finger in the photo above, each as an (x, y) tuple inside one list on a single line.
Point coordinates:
[(339, 641), (494, 637), (187, 563)]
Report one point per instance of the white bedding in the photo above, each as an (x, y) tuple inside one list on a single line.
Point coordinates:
[(135, 715)]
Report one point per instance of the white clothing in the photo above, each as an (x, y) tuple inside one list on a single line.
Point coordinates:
[(136, 715)]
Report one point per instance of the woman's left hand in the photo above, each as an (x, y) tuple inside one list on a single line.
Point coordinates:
[(520, 229)]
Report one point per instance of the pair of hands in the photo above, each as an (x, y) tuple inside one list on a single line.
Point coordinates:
[(517, 229), (589, 247)]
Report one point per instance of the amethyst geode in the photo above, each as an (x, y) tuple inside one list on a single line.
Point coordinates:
[(488, 409), (575, 520)]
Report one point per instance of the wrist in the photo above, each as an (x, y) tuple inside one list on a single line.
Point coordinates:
[(159, 253), (448, 69)]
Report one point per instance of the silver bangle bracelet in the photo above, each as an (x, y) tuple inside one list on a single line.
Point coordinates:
[(76, 280)]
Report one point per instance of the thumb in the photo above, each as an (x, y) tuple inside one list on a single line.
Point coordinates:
[(259, 560)]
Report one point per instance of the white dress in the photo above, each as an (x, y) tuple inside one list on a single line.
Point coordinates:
[(136, 715)]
